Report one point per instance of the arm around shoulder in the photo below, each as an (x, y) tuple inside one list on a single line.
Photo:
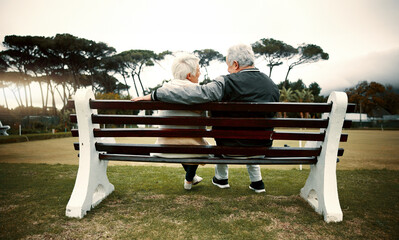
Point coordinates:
[(191, 94)]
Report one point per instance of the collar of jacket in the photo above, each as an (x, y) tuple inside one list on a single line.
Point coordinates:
[(249, 70)]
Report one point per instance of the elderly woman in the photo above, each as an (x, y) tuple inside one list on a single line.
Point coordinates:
[(186, 72)]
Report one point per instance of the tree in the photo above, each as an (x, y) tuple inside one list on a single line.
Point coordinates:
[(115, 64), (94, 54), (368, 96), (315, 88), (307, 53), (3, 83), (206, 56), (391, 100), (20, 54), (135, 61), (52, 69), (304, 95), (68, 50), (273, 51), (286, 95), (298, 85)]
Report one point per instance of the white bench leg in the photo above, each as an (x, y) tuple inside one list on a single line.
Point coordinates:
[(320, 189), (92, 184)]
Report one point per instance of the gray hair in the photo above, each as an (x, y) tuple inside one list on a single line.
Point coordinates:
[(241, 53), (183, 65)]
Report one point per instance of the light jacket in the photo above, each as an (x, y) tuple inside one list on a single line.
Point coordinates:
[(171, 86)]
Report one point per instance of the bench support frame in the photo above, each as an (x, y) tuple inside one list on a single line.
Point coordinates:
[(320, 189), (92, 184)]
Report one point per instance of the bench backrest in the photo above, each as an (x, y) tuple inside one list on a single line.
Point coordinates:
[(275, 155)]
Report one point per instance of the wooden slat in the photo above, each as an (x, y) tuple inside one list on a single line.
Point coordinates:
[(146, 149), (189, 133), (347, 124), (319, 107), (211, 121), (70, 104), (263, 161), (232, 134), (213, 106), (351, 108), (75, 132), (73, 118), (145, 120)]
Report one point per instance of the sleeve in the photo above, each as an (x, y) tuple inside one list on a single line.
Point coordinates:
[(191, 94)]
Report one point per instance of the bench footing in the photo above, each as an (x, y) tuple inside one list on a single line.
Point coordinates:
[(92, 184), (320, 189)]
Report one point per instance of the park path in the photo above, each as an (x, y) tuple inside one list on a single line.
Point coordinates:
[(365, 149), (61, 151)]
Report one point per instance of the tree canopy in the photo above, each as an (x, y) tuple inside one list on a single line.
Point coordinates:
[(206, 56), (273, 51), (369, 96)]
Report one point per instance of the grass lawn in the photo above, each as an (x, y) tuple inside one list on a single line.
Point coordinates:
[(150, 203)]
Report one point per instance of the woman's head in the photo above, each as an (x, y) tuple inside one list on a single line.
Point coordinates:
[(186, 66)]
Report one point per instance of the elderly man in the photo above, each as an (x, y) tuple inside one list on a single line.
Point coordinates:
[(245, 83)]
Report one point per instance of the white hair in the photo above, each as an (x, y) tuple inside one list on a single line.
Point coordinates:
[(241, 53), (183, 65)]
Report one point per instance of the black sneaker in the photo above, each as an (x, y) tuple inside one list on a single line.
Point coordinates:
[(258, 186), (224, 183)]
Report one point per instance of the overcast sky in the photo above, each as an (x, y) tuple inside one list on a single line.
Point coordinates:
[(361, 36)]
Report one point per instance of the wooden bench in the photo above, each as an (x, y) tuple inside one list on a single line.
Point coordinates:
[(97, 145)]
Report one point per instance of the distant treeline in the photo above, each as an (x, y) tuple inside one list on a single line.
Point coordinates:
[(62, 64)]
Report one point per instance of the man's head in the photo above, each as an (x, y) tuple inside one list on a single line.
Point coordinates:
[(186, 66), (239, 57)]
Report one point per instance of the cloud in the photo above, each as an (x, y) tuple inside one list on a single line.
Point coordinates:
[(381, 67)]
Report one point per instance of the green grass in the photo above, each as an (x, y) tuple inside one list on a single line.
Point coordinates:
[(150, 203)]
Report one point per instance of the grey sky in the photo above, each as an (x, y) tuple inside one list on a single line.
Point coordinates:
[(361, 36)]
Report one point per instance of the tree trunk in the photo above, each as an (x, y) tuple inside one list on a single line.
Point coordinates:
[(5, 98), (53, 102), (16, 98), (207, 74), (138, 76), (30, 95), (127, 87), (288, 72), (135, 86), (20, 97), (270, 71), (26, 96), (142, 88), (48, 89)]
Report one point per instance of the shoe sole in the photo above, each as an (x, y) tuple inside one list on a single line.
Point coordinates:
[(220, 186), (257, 190), (195, 183)]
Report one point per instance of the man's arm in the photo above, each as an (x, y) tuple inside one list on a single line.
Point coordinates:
[(192, 94)]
